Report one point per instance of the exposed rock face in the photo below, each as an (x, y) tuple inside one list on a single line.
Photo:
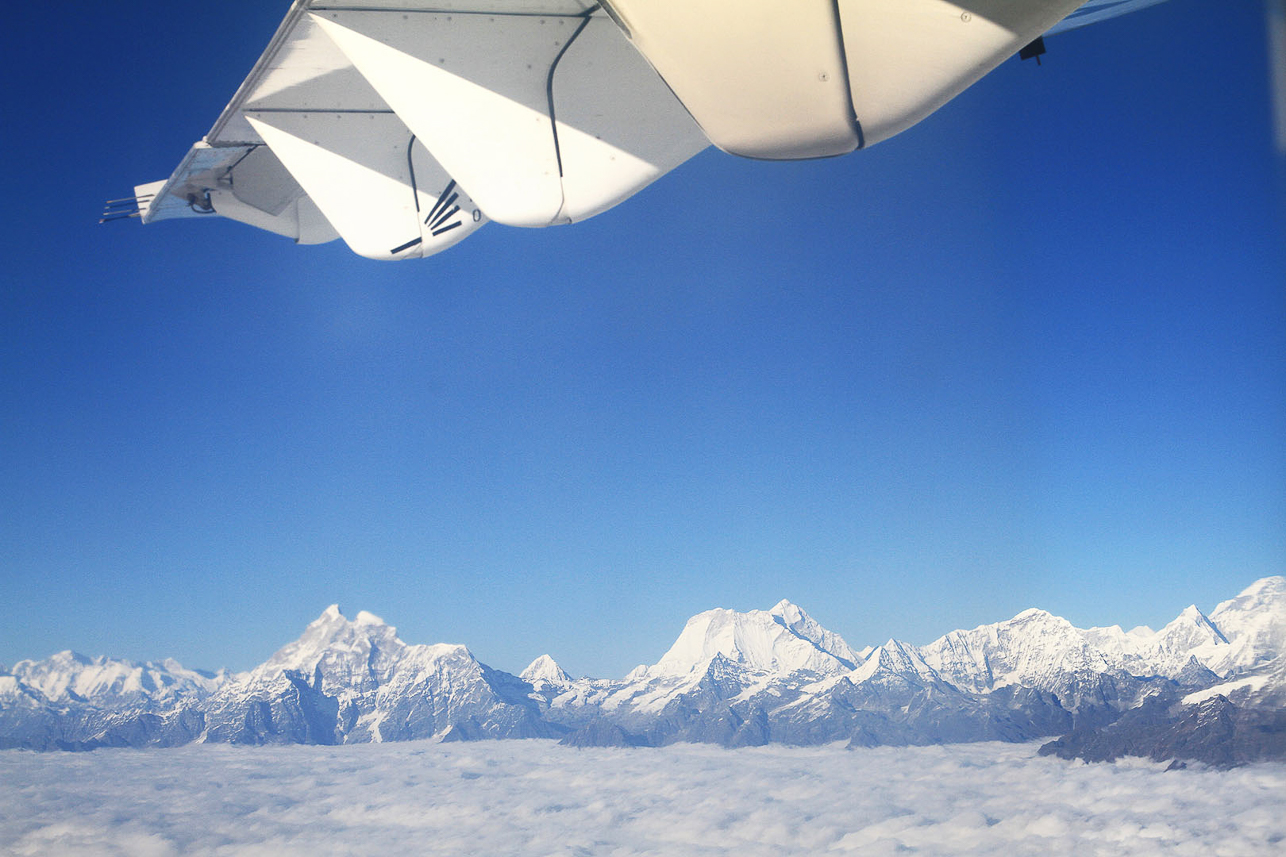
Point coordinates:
[(1211, 688), (1214, 731), (602, 733)]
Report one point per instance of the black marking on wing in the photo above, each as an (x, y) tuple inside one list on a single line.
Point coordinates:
[(406, 246), (444, 199), (443, 218), (439, 217)]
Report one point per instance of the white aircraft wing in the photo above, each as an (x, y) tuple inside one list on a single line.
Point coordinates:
[(404, 125)]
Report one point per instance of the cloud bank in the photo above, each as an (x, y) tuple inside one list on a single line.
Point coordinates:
[(535, 798)]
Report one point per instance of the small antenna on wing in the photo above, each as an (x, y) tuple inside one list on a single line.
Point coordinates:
[(1035, 49)]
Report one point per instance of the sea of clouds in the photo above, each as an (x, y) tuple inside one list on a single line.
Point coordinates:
[(536, 798)]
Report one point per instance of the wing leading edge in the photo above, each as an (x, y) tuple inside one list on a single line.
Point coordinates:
[(402, 126)]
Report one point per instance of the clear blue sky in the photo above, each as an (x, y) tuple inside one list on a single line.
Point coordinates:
[(1030, 353)]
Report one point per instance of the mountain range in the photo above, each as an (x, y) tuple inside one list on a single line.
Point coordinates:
[(1210, 688)]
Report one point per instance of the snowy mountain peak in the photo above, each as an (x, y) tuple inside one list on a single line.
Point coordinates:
[(787, 610), (1266, 588), (761, 640), (545, 670), (1168, 651), (796, 620), (1033, 647), (354, 653), (894, 658), (1254, 623), (1192, 628), (1260, 604)]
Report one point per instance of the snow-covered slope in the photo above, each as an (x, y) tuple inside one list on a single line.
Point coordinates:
[(1254, 624), (783, 640), (1265, 686), (1033, 649)]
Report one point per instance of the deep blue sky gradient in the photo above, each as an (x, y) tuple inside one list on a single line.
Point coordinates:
[(1030, 353)]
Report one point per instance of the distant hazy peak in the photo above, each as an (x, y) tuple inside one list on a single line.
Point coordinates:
[(69, 675), (545, 669)]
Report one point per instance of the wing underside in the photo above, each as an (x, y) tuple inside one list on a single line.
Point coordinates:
[(403, 126), (402, 129)]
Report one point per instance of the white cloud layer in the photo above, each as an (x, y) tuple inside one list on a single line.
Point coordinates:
[(535, 798)]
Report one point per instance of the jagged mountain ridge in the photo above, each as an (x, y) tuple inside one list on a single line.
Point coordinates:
[(730, 678)]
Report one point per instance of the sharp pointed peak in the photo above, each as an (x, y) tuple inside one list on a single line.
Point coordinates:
[(545, 668)]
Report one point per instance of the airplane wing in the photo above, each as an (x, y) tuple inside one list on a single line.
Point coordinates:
[(402, 126), (1094, 11)]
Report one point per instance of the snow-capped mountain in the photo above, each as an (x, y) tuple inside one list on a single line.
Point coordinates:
[(784, 639), (1168, 652), (354, 680), (349, 656), (1253, 623), (69, 678), (1033, 649), (545, 673), (68, 699), (730, 677)]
